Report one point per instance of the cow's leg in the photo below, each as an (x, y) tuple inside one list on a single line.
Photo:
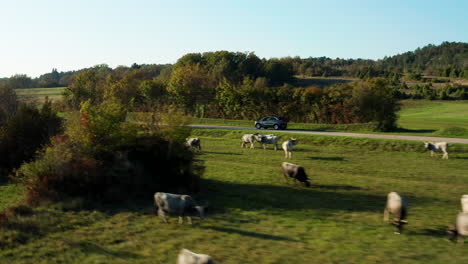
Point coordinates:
[(189, 219), (445, 155), (264, 146), (290, 154), (162, 215), (181, 219), (432, 153), (275, 146), (385, 215), (285, 154), (252, 145)]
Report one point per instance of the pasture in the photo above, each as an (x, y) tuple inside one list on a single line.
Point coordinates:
[(254, 216), (442, 118), (39, 94)]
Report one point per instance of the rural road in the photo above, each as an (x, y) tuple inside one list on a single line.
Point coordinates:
[(346, 134)]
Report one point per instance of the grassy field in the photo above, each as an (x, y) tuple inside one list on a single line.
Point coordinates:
[(438, 116), (39, 94), (255, 217)]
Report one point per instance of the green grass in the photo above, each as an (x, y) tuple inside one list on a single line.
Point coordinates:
[(434, 115), (39, 94), (255, 217)]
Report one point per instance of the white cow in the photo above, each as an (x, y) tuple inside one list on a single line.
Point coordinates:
[(288, 147), (269, 139), (250, 139), (194, 143), (188, 257), (179, 205), (439, 147), (464, 203), (460, 228), (397, 207)]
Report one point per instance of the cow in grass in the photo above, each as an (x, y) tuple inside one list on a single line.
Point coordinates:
[(397, 207), (288, 147), (188, 257), (439, 147), (460, 229), (296, 172), (250, 139), (464, 203), (194, 143), (269, 139), (178, 205)]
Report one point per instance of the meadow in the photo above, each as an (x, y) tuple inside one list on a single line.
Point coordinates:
[(255, 216), (39, 94)]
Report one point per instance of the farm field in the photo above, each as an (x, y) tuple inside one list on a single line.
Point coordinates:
[(255, 217), (39, 94)]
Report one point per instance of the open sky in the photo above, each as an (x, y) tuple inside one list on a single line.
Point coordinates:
[(37, 36)]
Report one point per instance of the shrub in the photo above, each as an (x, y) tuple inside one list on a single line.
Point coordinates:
[(102, 157)]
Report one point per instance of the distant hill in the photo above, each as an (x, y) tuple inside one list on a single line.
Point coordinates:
[(450, 59)]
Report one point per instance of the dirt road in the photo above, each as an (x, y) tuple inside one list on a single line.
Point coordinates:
[(346, 134)]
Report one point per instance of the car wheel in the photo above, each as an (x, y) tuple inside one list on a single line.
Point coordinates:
[(258, 126), (276, 127)]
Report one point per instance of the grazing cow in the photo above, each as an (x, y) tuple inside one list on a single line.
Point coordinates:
[(296, 172), (464, 203), (439, 147), (188, 257), (250, 139), (179, 205), (269, 139), (288, 147), (194, 143), (396, 205), (460, 228)]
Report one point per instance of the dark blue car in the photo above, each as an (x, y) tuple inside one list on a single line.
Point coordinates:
[(271, 121)]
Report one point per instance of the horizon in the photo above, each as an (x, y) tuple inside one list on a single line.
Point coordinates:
[(46, 35)]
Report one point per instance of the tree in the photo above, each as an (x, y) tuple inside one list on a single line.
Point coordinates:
[(8, 103), (20, 81)]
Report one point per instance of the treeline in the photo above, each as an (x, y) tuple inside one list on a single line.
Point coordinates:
[(239, 85), (63, 79), (445, 60)]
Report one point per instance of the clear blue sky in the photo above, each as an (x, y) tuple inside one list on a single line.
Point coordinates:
[(37, 36)]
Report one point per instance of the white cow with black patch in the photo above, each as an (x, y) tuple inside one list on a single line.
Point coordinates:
[(438, 147)]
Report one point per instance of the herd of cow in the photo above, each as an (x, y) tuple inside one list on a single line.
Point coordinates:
[(185, 206)]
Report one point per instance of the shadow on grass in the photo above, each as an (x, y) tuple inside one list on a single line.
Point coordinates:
[(327, 199), (328, 158), (405, 130), (337, 187), (91, 248), (439, 232), (462, 158), (249, 233), (221, 153)]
